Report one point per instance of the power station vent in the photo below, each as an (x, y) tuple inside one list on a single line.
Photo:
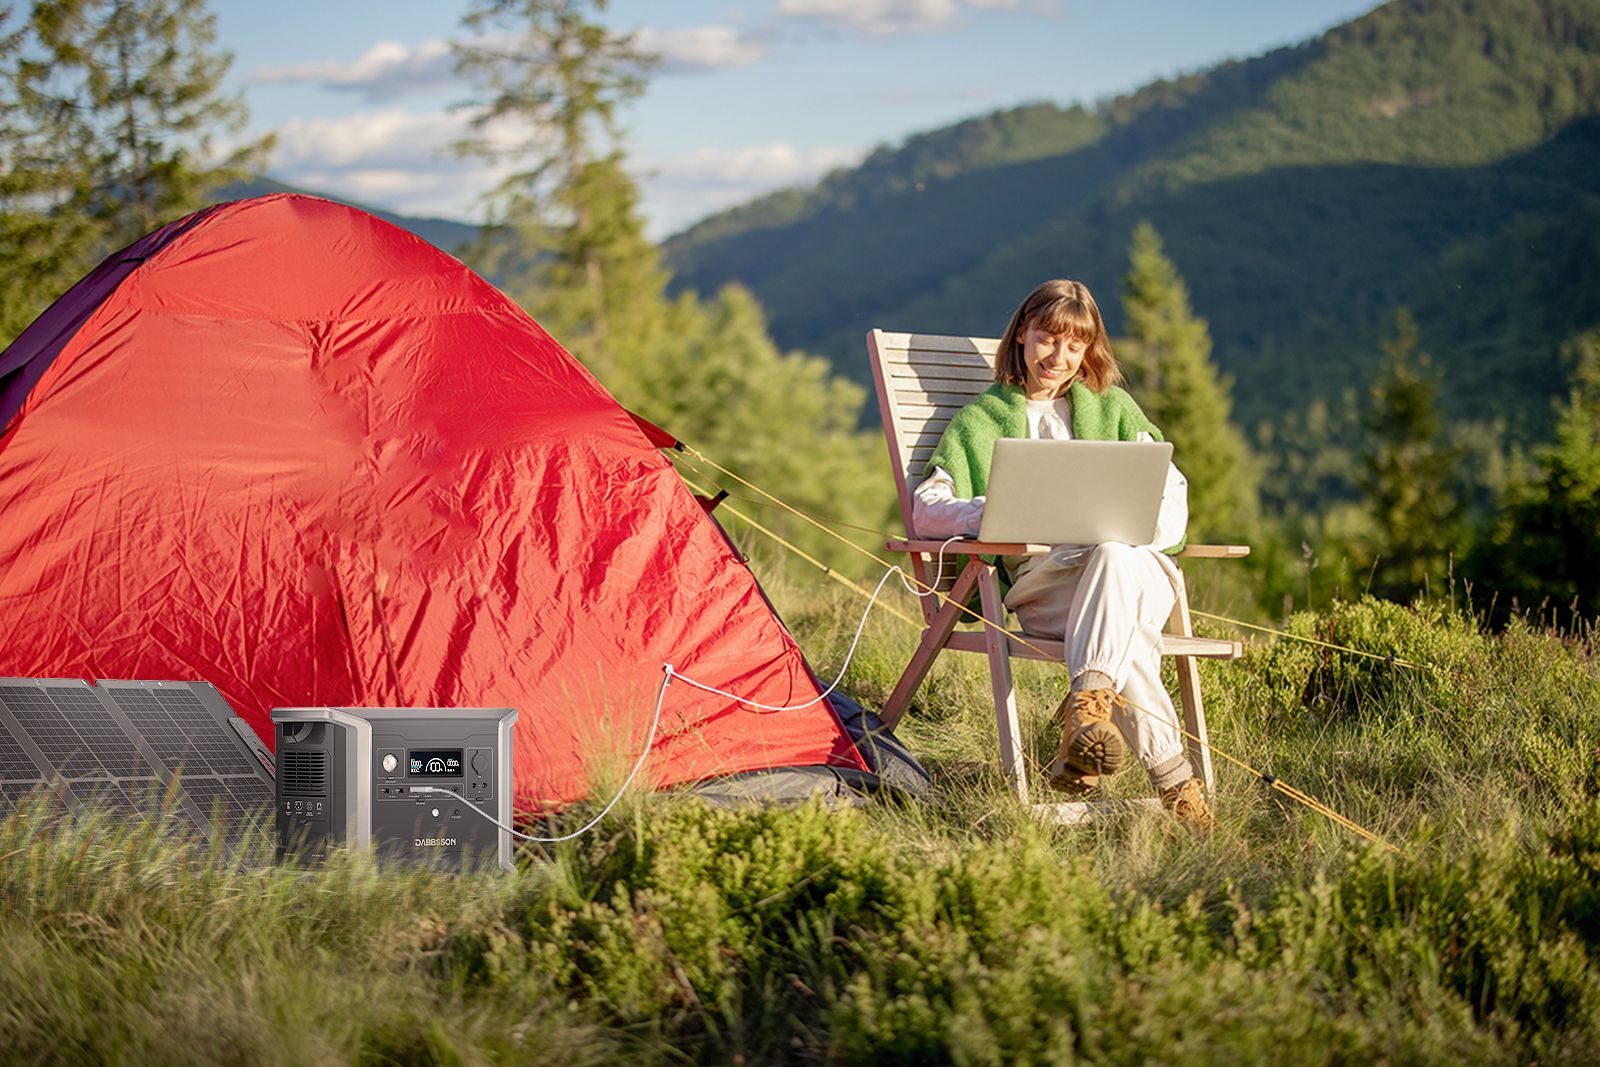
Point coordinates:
[(303, 773)]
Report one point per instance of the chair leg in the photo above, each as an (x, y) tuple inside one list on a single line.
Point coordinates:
[(933, 641), (1012, 757), (1194, 715)]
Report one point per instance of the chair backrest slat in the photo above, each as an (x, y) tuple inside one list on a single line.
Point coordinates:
[(922, 381)]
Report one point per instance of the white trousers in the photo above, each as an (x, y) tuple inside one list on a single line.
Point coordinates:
[(1109, 602)]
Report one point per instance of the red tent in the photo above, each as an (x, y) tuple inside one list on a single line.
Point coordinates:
[(286, 448)]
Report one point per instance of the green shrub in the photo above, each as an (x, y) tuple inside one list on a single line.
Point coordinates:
[(957, 931)]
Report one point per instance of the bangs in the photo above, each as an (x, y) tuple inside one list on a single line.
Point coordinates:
[(1067, 317), (1064, 309)]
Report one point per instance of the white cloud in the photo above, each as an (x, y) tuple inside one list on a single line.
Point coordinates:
[(391, 135), (883, 17), (702, 48), (389, 69), (388, 158), (386, 71), (872, 16), (400, 160), (685, 188), (769, 166)]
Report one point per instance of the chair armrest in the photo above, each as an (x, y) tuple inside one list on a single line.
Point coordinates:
[(1215, 551), (967, 548)]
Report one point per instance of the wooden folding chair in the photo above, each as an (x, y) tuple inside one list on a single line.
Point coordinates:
[(922, 381)]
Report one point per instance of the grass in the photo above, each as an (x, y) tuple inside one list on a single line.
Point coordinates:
[(955, 931)]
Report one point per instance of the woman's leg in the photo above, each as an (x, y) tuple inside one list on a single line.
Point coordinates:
[(1122, 600)]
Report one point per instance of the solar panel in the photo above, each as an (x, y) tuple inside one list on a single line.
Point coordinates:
[(180, 729), (75, 738), (151, 748), (20, 776)]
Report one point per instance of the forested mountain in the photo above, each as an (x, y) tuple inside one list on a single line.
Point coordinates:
[(1435, 154)]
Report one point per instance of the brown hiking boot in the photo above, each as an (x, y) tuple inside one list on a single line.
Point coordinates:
[(1091, 744), (1187, 802)]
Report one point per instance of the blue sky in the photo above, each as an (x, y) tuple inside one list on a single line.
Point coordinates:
[(750, 96)]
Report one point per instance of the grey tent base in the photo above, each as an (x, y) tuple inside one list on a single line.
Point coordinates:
[(788, 785), (891, 769), (886, 757)]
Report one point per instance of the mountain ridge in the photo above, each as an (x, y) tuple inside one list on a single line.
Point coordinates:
[(1305, 194)]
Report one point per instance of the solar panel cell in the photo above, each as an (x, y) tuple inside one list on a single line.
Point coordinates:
[(145, 797), (13, 794), (15, 764), (235, 805), (251, 791), (75, 732)]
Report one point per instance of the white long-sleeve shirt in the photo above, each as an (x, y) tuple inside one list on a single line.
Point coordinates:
[(936, 511)]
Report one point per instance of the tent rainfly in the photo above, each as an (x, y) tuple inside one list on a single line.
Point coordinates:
[(289, 449)]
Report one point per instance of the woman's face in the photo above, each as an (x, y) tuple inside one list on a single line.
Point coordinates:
[(1051, 361)]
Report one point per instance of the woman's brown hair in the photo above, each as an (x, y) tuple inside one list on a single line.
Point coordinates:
[(1066, 309)]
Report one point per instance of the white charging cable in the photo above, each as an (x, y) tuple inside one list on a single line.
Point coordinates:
[(860, 627), (655, 721), (514, 833), (668, 674)]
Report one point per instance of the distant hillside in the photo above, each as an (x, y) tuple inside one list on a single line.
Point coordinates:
[(1439, 154), (445, 234)]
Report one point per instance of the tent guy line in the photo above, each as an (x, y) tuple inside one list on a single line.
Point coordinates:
[(816, 521), (1389, 658), (893, 570), (798, 551), (669, 672), (1270, 780)]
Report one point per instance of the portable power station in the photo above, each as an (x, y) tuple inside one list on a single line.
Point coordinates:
[(365, 778)]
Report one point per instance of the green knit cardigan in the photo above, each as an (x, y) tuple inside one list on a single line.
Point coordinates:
[(1002, 411)]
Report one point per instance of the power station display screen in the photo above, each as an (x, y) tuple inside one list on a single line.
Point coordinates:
[(436, 763)]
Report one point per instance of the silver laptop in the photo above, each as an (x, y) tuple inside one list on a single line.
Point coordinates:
[(1074, 492)]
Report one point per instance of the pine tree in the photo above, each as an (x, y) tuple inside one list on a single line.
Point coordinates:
[(1171, 375), (142, 82), (47, 234), (555, 79), (1546, 548), (781, 420), (568, 243), (1410, 477)]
